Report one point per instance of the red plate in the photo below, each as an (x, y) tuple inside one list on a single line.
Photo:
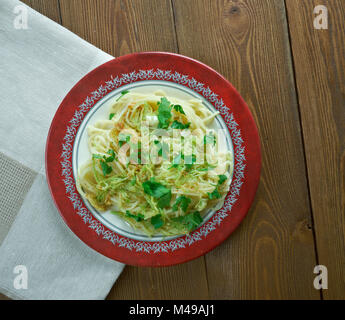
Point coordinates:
[(174, 69)]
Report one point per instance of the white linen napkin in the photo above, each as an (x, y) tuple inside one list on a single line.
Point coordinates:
[(38, 66)]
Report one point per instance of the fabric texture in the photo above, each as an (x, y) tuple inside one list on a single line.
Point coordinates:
[(15, 182), (38, 66)]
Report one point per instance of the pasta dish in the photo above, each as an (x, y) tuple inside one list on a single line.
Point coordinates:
[(156, 162)]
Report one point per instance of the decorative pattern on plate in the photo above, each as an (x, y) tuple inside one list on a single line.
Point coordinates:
[(161, 246)]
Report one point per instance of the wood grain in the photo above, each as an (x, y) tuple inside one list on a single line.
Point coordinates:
[(49, 8), (121, 27), (185, 281), (319, 57), (272, 254)]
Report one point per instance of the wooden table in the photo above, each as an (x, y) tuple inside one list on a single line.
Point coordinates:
[(293, 78)]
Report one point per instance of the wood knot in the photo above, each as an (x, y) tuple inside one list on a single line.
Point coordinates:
[(235, 10), (236, 19)]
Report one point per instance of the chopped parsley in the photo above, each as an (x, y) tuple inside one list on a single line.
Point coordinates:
[(105, 158), (112, 156), (209, 167), (164, 113), (214, 195), (122, 94), (124, 138), (164, 201), (188, 161), (139, 217), (157, 221), (190, 221), (182, 202), (178, 108), (222, 179), (157, 191), (105, 168), (111, 116), (178, 125)]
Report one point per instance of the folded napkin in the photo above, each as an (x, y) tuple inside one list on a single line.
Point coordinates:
[(38, 66)]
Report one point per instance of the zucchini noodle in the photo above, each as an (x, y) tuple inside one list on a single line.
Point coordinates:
[(157, 185)]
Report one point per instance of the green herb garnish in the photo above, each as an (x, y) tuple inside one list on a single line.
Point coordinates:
[(209, 167), (179, 109), (178, 125), (182, 202), (164, 113), (214, 195), (105, 168), (157, 221), (124, 138), (105, 158), (158, 191), (111, 116), (222, 179), (122, 94), (139, 217), (190, 221), (112, 156), (164, 201)]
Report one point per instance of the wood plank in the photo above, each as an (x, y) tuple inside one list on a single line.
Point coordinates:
[(49, 8), (319, 57), (185, 281), (121, 27), (271, 256)]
